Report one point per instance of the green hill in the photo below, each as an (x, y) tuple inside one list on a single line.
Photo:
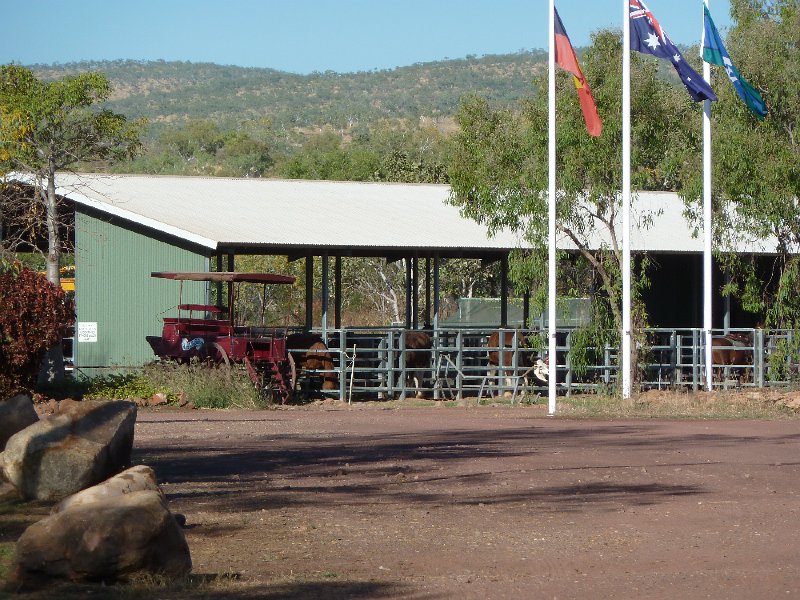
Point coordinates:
[(171, 92)]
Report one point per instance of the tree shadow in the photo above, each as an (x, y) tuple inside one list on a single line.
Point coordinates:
[(410, 468), (208, 587)]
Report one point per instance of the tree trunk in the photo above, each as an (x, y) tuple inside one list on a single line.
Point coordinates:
[(53, 241), (52, 368)]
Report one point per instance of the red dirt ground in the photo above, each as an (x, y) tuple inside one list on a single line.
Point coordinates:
[(481, 502)]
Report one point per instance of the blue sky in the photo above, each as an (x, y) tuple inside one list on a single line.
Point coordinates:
[(302, 36)]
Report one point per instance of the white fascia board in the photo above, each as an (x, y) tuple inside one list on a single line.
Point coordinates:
[(110, 209)]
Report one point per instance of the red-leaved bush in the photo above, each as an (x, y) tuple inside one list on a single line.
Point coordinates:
[(34, 315)]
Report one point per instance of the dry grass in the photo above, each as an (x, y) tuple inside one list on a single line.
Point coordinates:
[(758, 404), (755, 404)]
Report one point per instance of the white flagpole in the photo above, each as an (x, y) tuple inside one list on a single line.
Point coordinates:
[(626, 201), (551, 217), (707, 275)]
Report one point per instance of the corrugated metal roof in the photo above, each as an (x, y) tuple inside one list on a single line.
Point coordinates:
[(217, 212), (279, 213)]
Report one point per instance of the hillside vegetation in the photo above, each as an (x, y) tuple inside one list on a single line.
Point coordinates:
[(168, 93)]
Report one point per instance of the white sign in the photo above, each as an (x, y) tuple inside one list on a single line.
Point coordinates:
[(87, 332)]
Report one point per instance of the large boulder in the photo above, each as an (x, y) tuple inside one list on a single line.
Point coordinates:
[(15, 415), (105, 540), (135, 479), (70, 451)]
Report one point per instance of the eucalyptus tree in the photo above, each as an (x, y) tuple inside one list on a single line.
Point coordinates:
[(756, 163), (499, 166), (63, 126)]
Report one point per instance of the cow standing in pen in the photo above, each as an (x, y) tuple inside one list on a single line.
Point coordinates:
[(501, 354), (418, 346), (310, 354)]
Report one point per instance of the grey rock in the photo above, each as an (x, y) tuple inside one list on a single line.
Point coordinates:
[(70, 451)]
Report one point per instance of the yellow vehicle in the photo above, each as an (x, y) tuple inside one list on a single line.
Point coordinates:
[(67, 276)]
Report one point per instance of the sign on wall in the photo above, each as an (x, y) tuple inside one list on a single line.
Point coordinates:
[(87, 332)]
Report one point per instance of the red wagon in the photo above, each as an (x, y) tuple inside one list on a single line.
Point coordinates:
[(210, 333)]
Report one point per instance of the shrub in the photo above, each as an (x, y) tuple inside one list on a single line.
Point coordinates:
[(203, 385), (34, 317)]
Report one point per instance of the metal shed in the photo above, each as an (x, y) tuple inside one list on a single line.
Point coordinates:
[(130, 225)]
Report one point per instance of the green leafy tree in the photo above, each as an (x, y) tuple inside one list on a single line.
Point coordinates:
[(57, 125), (204, 148), (326, 157), (756, 164), (499, 168), (61, 127)]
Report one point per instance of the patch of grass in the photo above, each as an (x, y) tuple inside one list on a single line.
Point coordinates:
[(206, 386), (203, 385), (6, 558), (676, 405), (122, 387), (143, 586)]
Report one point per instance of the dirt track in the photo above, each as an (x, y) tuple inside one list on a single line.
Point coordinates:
[(481, 503)]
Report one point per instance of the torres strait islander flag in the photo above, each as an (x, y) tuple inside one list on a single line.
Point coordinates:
[(566, 59), (648, 37), (714, 52)]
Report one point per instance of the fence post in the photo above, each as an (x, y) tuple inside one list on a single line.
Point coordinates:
[(758, 357), (343, 362), (390, 365), (673, 357), (568, 364), (694, 359), (435, 363), (460, 364), (402, 364)]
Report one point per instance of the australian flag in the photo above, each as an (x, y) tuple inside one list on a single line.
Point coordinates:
[(647, 37)]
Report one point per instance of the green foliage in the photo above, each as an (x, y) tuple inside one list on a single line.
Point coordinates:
[(57, 125), (756, 164), (123, 387), (499, 172), (6, 558), (34, 318), (379, 153), (171, 92), (202, 148), (63, 125), (203, 385)]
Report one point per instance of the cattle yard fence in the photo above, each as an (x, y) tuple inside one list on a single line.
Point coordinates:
[(371, 363)]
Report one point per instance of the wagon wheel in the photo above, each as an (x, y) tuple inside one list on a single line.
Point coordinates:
[(218, 354), (286, 377), (292, 371)]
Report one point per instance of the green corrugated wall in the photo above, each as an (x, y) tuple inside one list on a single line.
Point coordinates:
[(113, 289)]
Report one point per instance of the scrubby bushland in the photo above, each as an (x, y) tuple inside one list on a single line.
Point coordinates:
[(34, 316)]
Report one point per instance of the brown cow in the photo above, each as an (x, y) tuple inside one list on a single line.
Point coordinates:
[(417, 358), (315, 358), (527, 359)]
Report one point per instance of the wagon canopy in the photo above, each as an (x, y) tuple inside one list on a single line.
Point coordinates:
[(225, 276)]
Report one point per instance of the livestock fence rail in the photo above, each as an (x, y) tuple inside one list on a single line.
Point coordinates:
[(374, 362)]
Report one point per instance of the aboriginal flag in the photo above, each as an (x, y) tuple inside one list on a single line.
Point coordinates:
[(566, 59)]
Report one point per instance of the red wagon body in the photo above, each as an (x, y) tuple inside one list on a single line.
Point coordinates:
[(210, 334)]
